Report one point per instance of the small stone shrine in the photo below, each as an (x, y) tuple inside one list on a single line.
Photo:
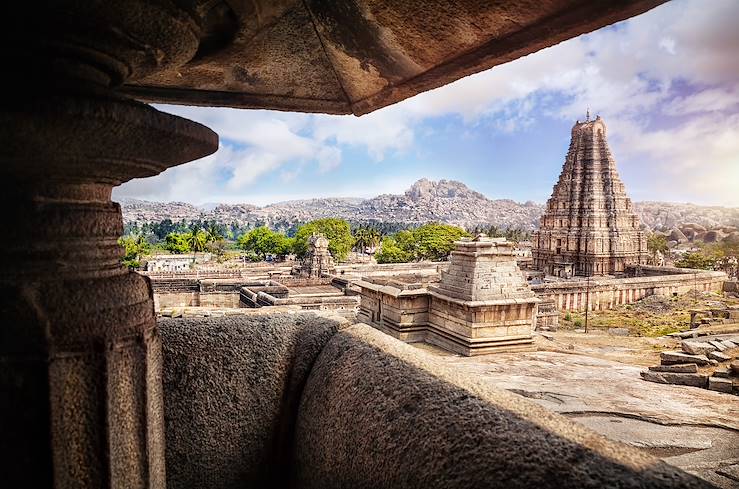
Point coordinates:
[(482, 304), (318, 261)]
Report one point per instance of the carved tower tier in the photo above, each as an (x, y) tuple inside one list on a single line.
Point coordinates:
[(589, 226)]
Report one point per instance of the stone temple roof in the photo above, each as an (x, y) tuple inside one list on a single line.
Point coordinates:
[(356, 56)]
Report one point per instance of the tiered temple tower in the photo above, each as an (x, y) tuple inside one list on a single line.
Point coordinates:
[(589, 226), (318, 260)]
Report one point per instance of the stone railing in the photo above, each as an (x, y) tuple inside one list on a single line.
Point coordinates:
[(302, 400), (604, 293)]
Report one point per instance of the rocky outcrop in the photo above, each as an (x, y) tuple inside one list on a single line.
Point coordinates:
[(446, 201)]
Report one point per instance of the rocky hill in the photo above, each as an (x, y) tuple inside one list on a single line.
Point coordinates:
[(442, 201)]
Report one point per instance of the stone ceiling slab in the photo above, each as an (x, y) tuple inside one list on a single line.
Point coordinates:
[(356, 56)]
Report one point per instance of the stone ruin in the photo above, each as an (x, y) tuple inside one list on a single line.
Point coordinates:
[(547, 316), (710, 363), (482, 303), (318, 262)]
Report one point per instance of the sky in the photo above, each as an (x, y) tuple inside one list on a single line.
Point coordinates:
[(665, 82)]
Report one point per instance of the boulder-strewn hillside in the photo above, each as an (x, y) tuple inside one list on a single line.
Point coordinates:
[(667, 215), (443, 201)]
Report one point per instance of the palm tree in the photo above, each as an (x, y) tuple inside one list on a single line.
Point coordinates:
[(213, 233), (361, 239), (197, 240), (374, 238)]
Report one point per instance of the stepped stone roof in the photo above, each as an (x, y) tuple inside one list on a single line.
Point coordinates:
[(483, 270)]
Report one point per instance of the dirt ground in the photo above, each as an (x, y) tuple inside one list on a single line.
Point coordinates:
[(653, 316)]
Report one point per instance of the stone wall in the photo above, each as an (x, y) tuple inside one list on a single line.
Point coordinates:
[(605, 293), (403, 317), (357, 271)]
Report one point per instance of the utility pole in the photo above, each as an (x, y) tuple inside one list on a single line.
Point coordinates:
[(695, 286), (587, 301)]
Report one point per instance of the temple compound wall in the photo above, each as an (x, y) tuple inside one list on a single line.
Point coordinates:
[(309, 294), (589, 226), (480, 304), (599, 293)]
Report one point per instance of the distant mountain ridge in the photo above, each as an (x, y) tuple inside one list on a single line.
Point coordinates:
[(446, 201)]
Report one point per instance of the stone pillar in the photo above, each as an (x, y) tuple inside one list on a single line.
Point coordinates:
[(81, 402)]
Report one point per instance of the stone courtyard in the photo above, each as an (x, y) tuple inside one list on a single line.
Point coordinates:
[(594, 380)]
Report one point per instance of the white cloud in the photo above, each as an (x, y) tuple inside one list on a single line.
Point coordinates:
[(664, 81)]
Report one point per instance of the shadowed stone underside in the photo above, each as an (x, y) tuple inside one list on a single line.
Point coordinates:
[(356, 56)]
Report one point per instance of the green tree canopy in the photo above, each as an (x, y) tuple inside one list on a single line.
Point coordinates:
[(337, 231), (657, 242), (262, 241), (390, 252), (134, 248), (177, 243), (428, 242), (436, 241), (697, 260), (197, 240)]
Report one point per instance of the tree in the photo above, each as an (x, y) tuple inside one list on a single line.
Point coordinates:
[(696, 260), (366, 237), (214, 232), (134, 248), (178, 243), (428, 242), (262, 242), (390, 252), (657, 242), (337, 231), (197, 240), (361, 239), (436, 241)]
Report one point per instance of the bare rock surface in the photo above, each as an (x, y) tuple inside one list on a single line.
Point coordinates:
[(692, 428), (685, 368), (697, 347), (672, 357), (569, 383)]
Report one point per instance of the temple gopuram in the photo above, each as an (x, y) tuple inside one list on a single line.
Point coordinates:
[(589, 226)]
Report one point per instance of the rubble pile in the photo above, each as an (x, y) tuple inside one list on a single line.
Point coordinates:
[(709, 362)]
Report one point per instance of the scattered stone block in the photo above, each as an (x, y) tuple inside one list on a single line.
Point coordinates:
[(684, 334), (673, 357), (718, 344), (683, 368), (548, 336), (720, 384), (734, 366), (713, 362), (693, 380), (729, 344), (720, 372), (718, 356), (618, 331), (696, 347)]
